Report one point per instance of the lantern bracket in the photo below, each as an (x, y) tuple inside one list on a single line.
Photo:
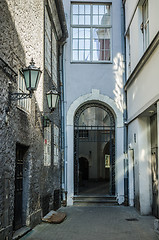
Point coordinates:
[(19, 96)]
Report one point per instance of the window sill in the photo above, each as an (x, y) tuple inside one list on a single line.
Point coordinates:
[(23, 110), (97, 62)]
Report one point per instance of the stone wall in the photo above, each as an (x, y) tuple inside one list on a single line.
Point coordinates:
[(21, 38)]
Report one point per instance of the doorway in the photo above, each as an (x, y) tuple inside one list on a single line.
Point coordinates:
[(18, 200), (154, 165), (94, 151)]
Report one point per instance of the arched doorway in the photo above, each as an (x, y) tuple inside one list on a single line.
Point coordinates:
[(94, 138)]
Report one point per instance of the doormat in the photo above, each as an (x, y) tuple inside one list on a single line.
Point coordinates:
[(54, 217)]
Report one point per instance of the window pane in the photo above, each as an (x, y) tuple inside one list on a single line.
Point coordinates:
[(87, 33), (107, 9), (81, 55), (75, 32), (75, 44), (107, 55), (95, 55), (81, 19), (105, 20), (81, 9), (87, 55), (95, 9), (87, 9), (87, 20), (87, 44), (101, 9), (75, 55), (75, 9), (81, 32), (75, 19), (95, 44), (95, 20), (81, 43)]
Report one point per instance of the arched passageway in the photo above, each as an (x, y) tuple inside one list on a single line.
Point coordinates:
[(94, 138)]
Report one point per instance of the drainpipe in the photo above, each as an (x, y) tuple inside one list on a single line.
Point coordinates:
[(63, 122), (126, 173)]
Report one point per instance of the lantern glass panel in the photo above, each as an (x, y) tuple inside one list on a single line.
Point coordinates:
[(34, 74), (54, 98), (49, 100), (26, 78)]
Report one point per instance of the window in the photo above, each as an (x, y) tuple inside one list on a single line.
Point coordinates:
[(50, 49), (91, 32), (54, 58), (56, 145), (47, 42), (24, 104), (83, 133), (47, 145), (145, 24)]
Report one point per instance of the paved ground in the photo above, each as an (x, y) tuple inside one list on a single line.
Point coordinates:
[(97, 223)]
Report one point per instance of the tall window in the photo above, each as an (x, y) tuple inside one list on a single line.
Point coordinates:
[(56, 145), (47, 145), (145, 24), (50, 49), (47, 42), (54, 58), (24, 104), (91, 32)]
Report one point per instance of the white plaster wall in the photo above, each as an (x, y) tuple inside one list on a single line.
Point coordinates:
[(136, 36), (141, 177), (129, 9), (145, 88), (144, 145), (81, 78)]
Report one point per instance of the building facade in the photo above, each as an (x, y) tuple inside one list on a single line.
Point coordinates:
[(30, 135), (94, 101), (142, 39)]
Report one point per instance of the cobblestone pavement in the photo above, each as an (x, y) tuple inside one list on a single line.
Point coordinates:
[(97, 223)]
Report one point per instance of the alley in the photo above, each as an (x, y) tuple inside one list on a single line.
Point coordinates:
[(92, 223)]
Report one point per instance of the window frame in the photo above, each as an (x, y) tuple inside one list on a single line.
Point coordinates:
[(145, 24), (91, 27)]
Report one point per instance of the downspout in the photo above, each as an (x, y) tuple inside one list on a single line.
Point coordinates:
[(63, 122), (126, 173)]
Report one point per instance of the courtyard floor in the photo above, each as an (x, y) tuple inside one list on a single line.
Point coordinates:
[(97, 223)]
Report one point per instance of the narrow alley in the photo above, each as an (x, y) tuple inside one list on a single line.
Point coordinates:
[(92, 223)]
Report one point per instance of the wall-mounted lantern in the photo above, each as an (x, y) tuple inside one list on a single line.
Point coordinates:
[(31, 77), (52, 99)]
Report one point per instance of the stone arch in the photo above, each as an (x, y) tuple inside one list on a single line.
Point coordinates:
[(95, 97)]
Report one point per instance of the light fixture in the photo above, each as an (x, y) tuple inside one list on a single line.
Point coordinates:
[(31, 77), (151, 111), (52, 99)]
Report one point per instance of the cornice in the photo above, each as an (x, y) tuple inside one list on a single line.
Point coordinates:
[(143, 61)]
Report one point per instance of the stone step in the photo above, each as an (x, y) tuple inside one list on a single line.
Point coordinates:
[(94, 200)]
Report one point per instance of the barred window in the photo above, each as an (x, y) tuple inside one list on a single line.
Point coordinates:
[(91, 32)]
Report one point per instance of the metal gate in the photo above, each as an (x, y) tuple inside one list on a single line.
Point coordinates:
[(154, 167), (94, 134)]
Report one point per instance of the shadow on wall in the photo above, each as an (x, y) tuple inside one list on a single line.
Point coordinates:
[(118, 68), (11, 49)]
